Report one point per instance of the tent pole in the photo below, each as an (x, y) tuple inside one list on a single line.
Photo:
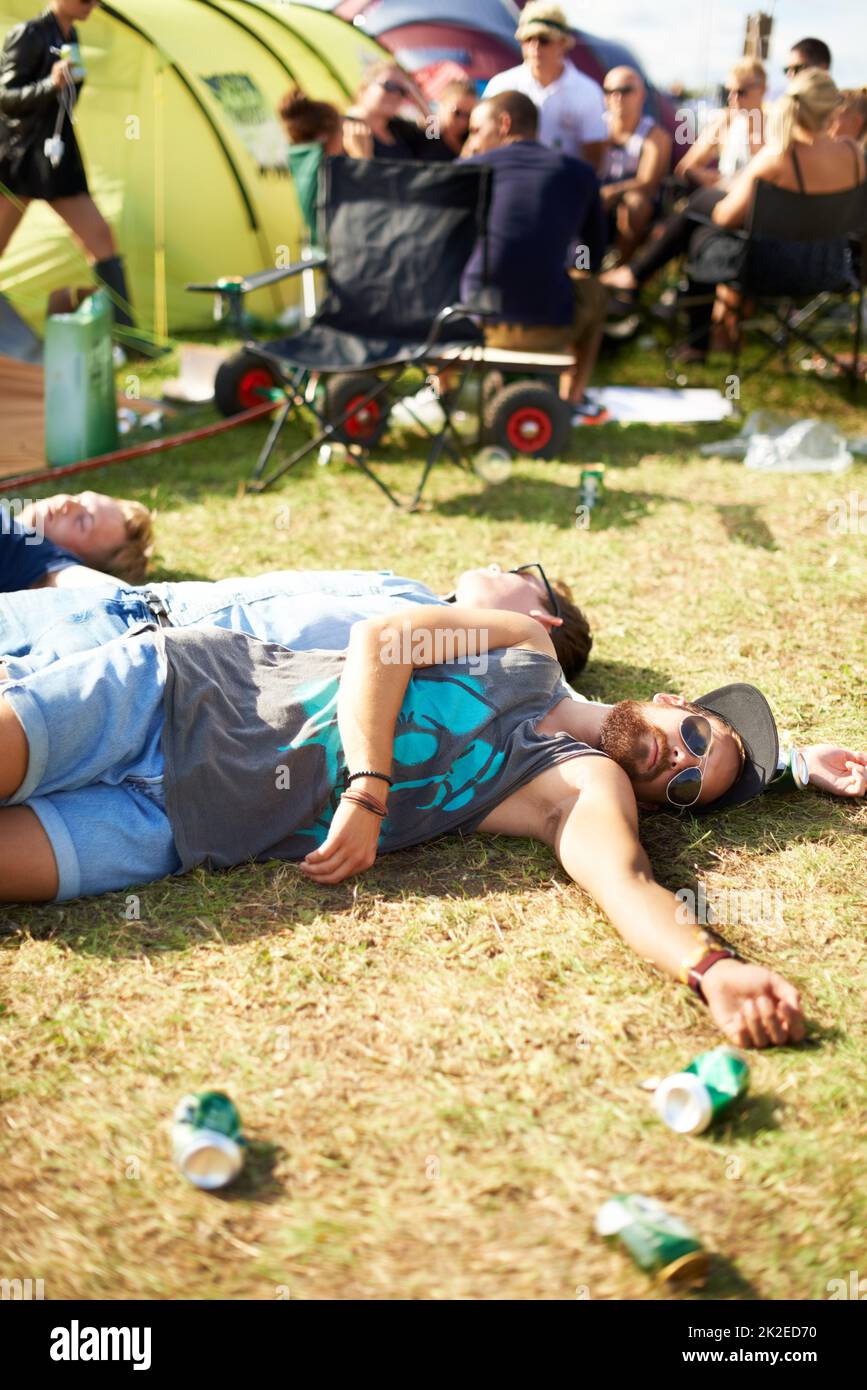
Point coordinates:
[(161, 308)]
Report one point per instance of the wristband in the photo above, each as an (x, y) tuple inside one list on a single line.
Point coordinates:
[(369, 803), (349, 778)]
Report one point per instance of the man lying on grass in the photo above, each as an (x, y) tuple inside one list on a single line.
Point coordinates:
[(304, 609), (165, 750), (311, 610)]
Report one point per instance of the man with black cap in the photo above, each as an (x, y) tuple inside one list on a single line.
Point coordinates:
[(167, 750)]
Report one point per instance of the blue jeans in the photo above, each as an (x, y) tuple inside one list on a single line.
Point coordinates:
[(304, 609), (94, 779)]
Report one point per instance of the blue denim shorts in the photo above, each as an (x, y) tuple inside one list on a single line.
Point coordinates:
[(39, 626), (94, 723)]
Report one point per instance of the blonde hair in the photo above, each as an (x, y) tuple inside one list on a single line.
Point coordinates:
[(749, 70), (809, 102), (130, 560)]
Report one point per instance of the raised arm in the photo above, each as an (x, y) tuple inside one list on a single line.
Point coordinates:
[(381, 656), (596, 840)]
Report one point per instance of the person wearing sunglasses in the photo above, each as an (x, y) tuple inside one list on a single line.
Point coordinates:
[(732, 136), (571, 105), (638, 158), (384, 92), (807, 53), (457, 102), (39, 154), (167, 751)]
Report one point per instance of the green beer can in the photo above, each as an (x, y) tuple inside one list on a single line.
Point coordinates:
[(206, 1139), (692, 1099), (659, 1243)]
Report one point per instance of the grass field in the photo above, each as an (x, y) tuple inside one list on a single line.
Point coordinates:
[(438, 1065)]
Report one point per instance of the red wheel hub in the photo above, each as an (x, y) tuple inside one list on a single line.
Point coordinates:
[(529, 429), (254, 387), (365, 417)]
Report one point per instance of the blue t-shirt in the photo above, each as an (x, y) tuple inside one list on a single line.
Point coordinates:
[(26, 557), (543, 206)]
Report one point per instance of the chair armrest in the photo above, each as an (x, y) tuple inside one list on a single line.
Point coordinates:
[(704, 220), (246, 284)]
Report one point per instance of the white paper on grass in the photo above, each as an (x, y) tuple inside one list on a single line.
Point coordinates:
[(661, 405)]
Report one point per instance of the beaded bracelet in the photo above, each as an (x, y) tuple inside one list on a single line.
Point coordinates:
[(349, 778)]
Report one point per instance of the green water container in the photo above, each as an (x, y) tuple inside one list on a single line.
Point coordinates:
[(80, 407)]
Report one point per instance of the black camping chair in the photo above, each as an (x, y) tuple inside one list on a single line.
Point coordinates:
[(397, 236), (801, 257)]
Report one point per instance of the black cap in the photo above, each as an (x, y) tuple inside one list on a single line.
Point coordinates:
[(749, 714)]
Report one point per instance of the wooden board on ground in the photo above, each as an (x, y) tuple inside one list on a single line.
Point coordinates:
[(22, 411)]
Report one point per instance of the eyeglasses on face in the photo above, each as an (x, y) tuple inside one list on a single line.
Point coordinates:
[(619, 91), (542, 39), (394, 88), (794, 68), (537, 569), (684, 788)]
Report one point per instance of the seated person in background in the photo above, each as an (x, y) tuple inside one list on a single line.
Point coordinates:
[(456, 104), (385, 89), (302, 609), (801, 156), (309, 122), (639, 154), (544, 205), (849, 121), (70, 541), (731, 137), (571, 105)]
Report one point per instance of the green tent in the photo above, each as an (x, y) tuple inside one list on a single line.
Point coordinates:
[(184, 153)]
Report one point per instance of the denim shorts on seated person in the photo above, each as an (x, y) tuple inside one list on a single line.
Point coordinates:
[(93, 722)]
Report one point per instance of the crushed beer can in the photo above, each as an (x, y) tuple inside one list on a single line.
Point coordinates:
[(659, 1243), (207, 1142), (690, 1100)]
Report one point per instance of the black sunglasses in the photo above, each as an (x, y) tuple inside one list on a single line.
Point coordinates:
[(395, 88), (618, 91), (552, 597), (684, 789), (794, 68)]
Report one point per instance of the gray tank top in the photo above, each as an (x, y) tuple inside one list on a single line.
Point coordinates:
[(254, 763)]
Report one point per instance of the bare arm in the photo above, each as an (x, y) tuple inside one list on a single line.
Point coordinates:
[(586, 809), (78, 576), (382, 654), (694, 164), (733, 209), (652, 166), (594, 152)]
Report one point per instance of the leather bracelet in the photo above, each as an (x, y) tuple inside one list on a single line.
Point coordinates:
[(349, 778), (369, 803), (694, 979)]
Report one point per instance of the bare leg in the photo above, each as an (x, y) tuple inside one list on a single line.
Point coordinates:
[(634, 212), (11, 213), (574, 383), (88, 226), (14, 751), (28, 869)]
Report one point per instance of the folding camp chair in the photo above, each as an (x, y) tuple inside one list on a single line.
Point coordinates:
[(801, 257), (397, 236)]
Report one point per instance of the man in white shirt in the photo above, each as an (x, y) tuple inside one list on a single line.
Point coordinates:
[(572, 116)]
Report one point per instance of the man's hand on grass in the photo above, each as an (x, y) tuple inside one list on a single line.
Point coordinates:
[(349, 849), (836, 770), (753, 1006)]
